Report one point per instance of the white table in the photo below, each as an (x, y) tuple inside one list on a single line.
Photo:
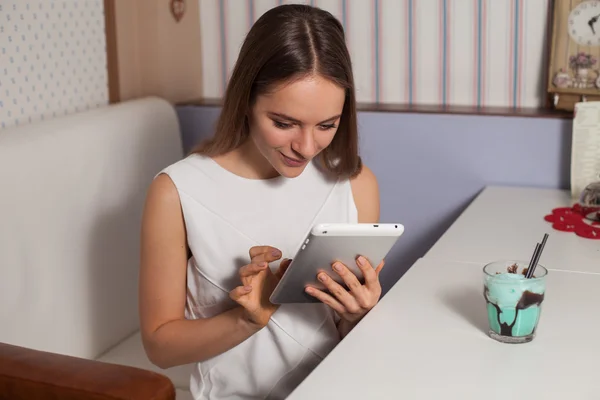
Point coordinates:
[(426, 339), (506, 222)]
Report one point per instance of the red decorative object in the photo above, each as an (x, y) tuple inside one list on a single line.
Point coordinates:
[(178, 9), (572, 219)]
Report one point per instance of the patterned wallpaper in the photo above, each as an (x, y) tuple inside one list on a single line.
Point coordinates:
[(454, 52), (52, 59)]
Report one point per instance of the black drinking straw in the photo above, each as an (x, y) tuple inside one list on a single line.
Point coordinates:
[(535, 252), (536, 257)]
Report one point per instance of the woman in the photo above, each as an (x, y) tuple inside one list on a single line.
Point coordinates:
[(218, 223)]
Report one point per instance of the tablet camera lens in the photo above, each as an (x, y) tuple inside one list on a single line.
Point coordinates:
[(324, 232)]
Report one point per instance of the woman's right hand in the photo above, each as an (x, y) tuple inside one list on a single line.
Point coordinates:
[(258, 282)]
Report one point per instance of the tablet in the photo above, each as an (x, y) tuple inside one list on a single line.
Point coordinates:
[(327, 243)]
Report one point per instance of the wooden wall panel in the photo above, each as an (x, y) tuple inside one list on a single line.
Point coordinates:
[(155, 54)]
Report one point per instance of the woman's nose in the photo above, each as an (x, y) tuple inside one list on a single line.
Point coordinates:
[(305, 143)]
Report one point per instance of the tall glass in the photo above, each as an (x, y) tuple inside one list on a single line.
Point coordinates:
[(514, 302)]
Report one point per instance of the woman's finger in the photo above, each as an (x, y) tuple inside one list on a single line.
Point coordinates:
[(239, 292), (264, 253), (337, 291), (371, 277), (326, 299), (348, 276), (380, 267), (252, 269)]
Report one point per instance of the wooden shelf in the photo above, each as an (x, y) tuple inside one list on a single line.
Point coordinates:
[(432, 109)]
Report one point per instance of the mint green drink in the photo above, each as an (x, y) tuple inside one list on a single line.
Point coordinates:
[(514, 302)]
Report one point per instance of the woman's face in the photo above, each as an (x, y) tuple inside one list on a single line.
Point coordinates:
[(295, 122)]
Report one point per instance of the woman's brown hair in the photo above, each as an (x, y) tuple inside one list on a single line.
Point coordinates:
[(286, 43)]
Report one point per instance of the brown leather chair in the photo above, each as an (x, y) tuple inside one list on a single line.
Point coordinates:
[(27, 374)]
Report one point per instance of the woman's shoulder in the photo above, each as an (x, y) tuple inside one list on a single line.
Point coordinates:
[(168, 181), (365, 179), (365, 190), (189, 168), (192, 159), (162, 201)]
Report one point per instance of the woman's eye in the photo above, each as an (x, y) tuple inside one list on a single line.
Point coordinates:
[(281, 125), (328, 127)]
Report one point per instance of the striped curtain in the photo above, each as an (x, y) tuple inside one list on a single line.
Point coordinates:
[(431, 52)]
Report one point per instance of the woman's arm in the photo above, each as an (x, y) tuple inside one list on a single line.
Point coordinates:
[(169, 339)]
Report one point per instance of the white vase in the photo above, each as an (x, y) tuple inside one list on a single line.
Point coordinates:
[(582, 73)]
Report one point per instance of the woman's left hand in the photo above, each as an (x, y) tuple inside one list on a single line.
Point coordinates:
[(352, 304)]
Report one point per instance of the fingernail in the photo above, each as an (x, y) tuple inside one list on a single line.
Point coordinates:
[(337, 267), (309, 290), (247, 288), (322, 277), (276, 253), (361, 261), (262, 264)]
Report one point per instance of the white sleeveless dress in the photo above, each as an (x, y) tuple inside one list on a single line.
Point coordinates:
[(225, 215)]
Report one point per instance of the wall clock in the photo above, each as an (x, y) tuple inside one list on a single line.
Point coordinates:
[(574, 70)]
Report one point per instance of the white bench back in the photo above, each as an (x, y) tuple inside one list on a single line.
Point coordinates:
[(71, 196)]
